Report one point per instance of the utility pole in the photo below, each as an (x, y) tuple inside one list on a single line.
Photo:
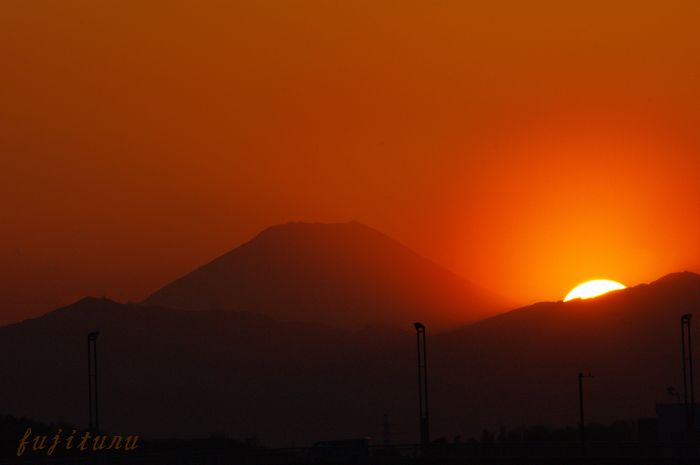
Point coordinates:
[(386, 430), (422, 386), (93, 395), (688, 386), (582, 423)]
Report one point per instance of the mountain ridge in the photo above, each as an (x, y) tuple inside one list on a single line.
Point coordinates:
[(172, 372)]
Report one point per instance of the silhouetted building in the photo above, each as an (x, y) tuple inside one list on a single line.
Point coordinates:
[(674, 428), (648, 431), (344, 451), (673, 422)]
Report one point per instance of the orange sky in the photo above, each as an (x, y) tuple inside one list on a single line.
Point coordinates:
[(526, 145)]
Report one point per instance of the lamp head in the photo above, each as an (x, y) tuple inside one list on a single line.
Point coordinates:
[(687, 317), (419, 326)]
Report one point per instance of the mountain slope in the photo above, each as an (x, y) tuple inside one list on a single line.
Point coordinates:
[(523, 364), (166, 372), (347, 275)]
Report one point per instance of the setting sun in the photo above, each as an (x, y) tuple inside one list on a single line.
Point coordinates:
[(593, 288)]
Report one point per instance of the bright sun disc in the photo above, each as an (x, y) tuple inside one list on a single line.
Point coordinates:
[(592, 289)]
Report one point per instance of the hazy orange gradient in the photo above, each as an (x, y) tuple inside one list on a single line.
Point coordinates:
[(528, 146)]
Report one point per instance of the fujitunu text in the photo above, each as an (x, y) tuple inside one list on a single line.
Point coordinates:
[(83, 442)]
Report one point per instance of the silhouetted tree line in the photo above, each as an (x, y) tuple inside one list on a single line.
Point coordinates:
[(619, 431)]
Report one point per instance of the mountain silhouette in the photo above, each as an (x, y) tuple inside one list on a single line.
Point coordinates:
[(182, 373), (346, 275), (523, 364), (173, 372)]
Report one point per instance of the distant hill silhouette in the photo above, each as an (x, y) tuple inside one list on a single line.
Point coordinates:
[(523, 364), (169, 372), (172, 372), (346, 275)]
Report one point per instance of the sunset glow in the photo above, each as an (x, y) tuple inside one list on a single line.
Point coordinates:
[(593, 288), (526, 148)]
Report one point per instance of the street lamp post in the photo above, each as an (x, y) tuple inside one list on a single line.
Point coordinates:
[(688, 386), (93, 398), (582, 423), (422, 386)]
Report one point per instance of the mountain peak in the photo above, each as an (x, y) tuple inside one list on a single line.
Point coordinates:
[(352, 230), (679, 278), (310, 225), (92, 301), (87, 305), (341, 274)]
